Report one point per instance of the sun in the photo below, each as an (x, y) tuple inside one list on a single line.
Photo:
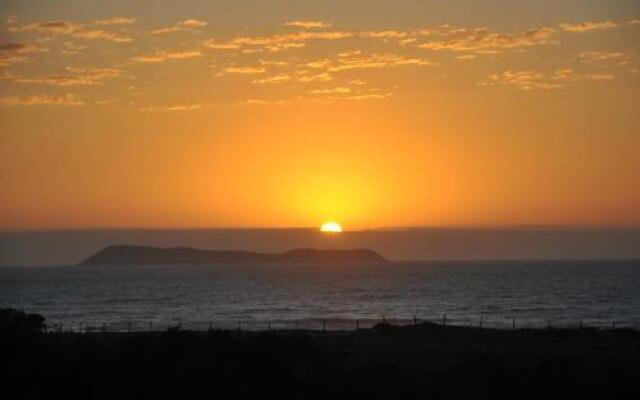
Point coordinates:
[(331, 227)]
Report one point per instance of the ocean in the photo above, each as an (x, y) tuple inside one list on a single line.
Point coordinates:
[(497, 294)]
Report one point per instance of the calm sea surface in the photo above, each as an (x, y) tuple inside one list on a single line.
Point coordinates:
[(536, 293)]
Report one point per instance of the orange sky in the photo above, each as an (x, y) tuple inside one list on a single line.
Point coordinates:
[(207, 117)]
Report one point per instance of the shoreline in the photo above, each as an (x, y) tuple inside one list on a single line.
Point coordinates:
[(425, 360)]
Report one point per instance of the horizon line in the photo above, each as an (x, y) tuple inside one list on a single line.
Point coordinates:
[(477, 227)]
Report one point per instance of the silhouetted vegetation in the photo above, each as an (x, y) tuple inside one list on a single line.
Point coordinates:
[(421, 361)]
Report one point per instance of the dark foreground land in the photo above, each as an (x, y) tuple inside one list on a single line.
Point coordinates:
[(387, 362)]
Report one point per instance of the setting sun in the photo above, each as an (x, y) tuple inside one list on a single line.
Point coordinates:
[(332, 227)]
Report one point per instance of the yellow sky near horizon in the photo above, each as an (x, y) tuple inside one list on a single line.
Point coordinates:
[(116, 120)]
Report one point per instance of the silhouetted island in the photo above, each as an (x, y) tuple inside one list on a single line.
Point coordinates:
[(143, 255)]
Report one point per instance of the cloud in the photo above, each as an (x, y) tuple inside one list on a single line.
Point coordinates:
[(115, 21), (70, 48), (309, 24), (174, 107), (277, 79), (369, 96), (374, 61), (162, 56), (186, 25), (588, 26), (275, 43), (83, 31), (42, 99), (274, 63), (335, 90), (57, 27), (606, 58), (91, 34), (14, 52), (73, 77), (261, 102), (388, 34), (484, 40), (243, 70), (322, 77), (215, 44), (528, 80)]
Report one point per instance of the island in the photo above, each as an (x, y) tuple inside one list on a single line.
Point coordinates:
[(144, 255)]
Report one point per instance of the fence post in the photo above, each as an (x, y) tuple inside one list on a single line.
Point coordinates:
[(513, 323), (580, 324), (481, 320), (613, 325), (357, 325), (269, 325), (129, 326), (297, 325), (444, 320), (415, 320), (104, 327), (324, 325)]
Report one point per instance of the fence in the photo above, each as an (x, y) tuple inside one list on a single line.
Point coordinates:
[(334, 324)]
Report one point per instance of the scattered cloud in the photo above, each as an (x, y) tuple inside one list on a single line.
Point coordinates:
[(483, 40), (275, 43), (243, 70), (162, 56), (606, 58), (588, 26), (73, 77), (175, 107), (308, 24), (335, 90), (186, 25), (387, 34), (372, 61), (277, 79), (322, 77), (528, 80), (83, 31), (115, 21), (14, 52), (42, 99)]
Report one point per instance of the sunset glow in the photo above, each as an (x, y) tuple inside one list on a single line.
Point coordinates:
[(411, 115), (331, 227)]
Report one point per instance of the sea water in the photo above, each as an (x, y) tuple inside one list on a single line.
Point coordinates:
[(497, 294)]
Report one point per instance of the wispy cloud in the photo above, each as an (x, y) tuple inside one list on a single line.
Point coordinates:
[(42, 99), (173, 107), (162, 56), (335, 90), (484, 40), (243, 70), (73, 77), (374, 61), (83, 31), (277, 79), (276, 42), (606, 57), (528, 80), (309, 24), (115, 21), (581, 27), (186, 25), (14, 52)]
